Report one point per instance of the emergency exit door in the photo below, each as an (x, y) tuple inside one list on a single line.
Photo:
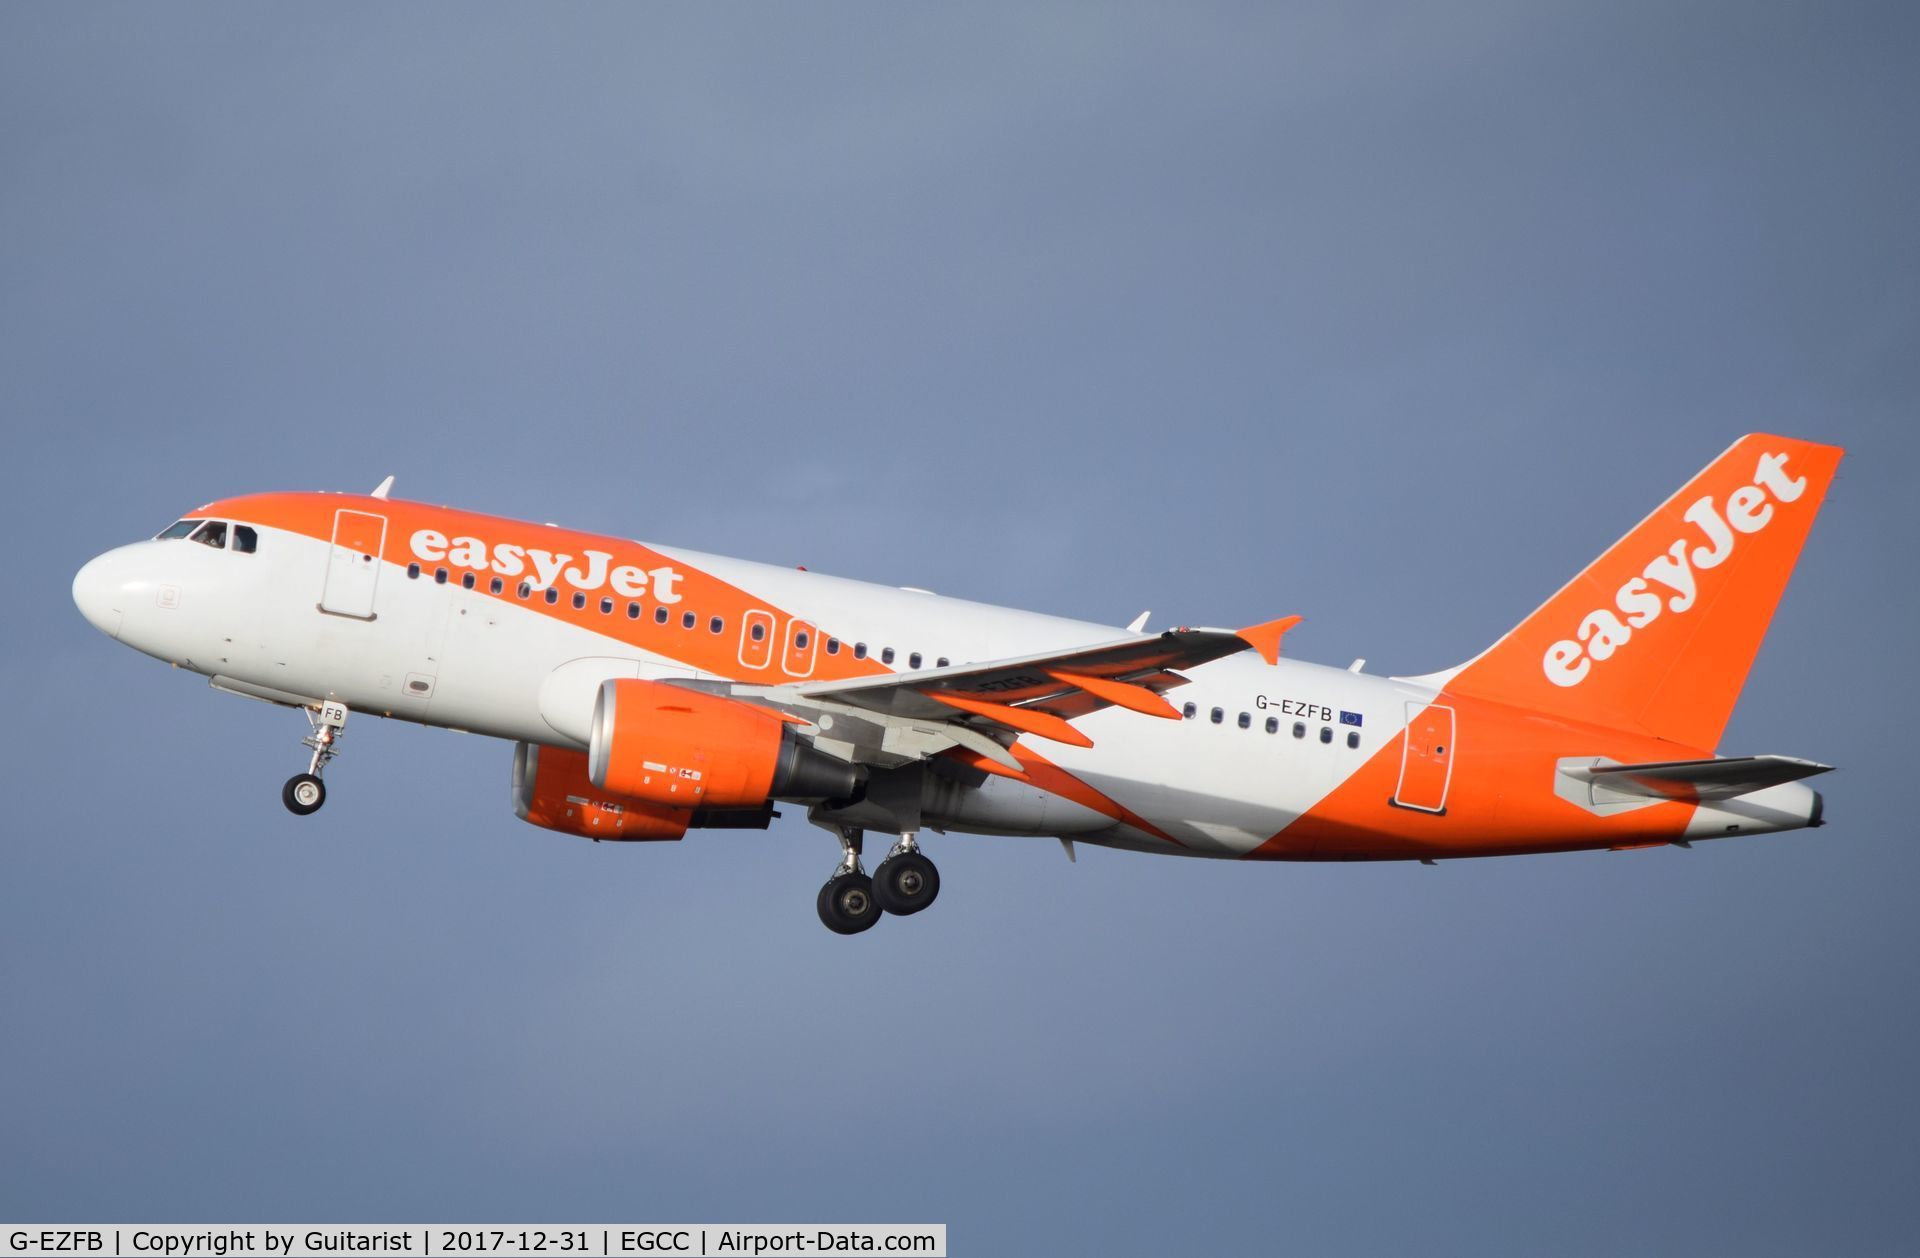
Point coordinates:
[(1426, 760), (353, 564)]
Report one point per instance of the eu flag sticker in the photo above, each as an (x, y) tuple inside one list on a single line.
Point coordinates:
[(1349, 718)]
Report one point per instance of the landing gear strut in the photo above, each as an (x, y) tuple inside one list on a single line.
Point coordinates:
[(305, 792), (906, 881), (846, 903)]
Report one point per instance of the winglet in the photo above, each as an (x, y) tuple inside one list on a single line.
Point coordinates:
[(386, 487), (1266, 638)]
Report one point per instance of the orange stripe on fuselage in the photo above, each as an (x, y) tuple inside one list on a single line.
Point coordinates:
[(1500, 801), (312, 515), (1038, 771)]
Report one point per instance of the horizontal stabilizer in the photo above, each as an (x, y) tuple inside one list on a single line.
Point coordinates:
[(1696, 780)]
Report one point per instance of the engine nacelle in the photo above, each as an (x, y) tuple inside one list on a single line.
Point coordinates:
[(550, 789), (684, 748)]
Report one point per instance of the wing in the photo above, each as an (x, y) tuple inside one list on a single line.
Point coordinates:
[(899, 717)]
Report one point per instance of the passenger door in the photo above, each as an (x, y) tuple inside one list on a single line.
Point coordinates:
[(353, 564), (1426, 762)]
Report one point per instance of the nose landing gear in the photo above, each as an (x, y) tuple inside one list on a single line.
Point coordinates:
[(305, 792)]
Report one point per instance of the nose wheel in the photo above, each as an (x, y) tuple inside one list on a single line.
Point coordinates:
[(305, 792)]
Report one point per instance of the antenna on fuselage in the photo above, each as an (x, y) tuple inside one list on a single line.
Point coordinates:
[(385, 486)]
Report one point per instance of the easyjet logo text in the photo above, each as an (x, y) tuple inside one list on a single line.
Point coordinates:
[(544, 568), (1671, 582)]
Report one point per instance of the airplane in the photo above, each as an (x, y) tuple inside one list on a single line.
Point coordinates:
[(651, 690)]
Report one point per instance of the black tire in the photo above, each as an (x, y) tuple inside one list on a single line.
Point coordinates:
[(905, 883), (846, 904), (303, 794)]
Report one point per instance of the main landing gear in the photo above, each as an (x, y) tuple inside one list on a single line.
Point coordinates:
[(305, 792), (906, 881), (851, 902)]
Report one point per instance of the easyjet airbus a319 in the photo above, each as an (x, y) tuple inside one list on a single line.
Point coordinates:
[(651, 690)]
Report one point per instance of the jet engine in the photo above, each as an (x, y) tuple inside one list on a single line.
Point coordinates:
[(550, 789), (668, 745)]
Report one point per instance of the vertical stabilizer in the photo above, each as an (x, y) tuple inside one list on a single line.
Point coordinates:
[(1658, 633)]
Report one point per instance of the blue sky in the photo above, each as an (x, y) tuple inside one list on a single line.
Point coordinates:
[(1388, 315)]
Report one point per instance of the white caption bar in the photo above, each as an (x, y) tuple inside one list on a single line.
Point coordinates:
[(461, 1240)]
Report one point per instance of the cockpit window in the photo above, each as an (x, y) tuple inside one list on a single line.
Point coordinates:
[(213, 533), (178, 529), (245, 540)]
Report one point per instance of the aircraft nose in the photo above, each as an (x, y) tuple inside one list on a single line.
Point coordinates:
[(97, 592)]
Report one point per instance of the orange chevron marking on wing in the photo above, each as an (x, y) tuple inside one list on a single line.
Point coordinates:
[(1121, 693), (1029, 720)]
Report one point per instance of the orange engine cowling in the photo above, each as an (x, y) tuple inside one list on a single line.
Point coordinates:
[(550, 789), (689, 749)]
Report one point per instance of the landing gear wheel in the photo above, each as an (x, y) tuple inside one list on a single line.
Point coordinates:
[(846, 904), (906, 882), (303, 794)]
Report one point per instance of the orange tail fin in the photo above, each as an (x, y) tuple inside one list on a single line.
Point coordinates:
[(1658, 633)]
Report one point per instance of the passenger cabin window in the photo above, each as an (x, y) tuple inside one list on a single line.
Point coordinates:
[(800, 640), (213, 533), (413, 571), (833, 646), (718, 625), (1353, 738), (496, 586), (1218, 716), (859, 650), (177, 530), (886, 655), (688, 620), (941, 662), (1246, 720), (660, 616), (579, 601), (913, 661), (759, 630), (1299, 729), (552, 596), (245, 540), (633, 611), (1326, 733), (1189, 711), (1273, 725), (439, 576), (606, 607), (525, 590), (468, 581)]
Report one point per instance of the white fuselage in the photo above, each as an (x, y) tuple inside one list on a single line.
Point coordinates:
[(440, 654)]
